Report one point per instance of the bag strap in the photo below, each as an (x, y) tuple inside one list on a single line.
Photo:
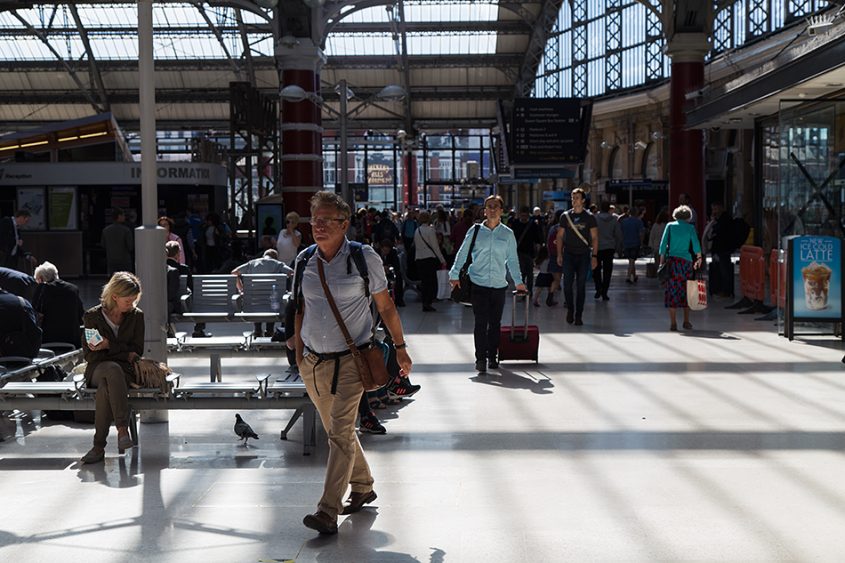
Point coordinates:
[(349, 342), (524, 232), (468, 261), (422, 238), (668, 239), (577, 232)]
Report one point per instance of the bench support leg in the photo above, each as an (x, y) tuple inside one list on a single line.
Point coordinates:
[(309, 429), (133, 426), (296, 414)]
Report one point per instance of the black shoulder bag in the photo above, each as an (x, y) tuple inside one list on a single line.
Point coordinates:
[(463, 292)]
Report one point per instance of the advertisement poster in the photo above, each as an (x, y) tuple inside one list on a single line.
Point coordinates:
[(32, 199), (270, 220), (62, 203), (817, 278)]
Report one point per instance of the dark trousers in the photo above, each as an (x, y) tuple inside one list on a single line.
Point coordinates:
[(110, 402), (526, 268), (575, 266), (487, 306), (725, 272), (603, 271), (427, 269)]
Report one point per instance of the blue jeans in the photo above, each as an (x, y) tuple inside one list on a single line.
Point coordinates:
[(575, 265)]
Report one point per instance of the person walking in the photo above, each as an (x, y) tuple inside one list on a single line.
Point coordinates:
[(610, 241), (119, 244), (493, 255), (577, 251), (289, 239), (555, 269), (327, 366), (680, 248), (428, 257), (11, 243), (110, 364), (528, 235), (633, 230)]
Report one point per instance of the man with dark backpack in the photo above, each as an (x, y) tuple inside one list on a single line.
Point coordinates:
[(334, 326)]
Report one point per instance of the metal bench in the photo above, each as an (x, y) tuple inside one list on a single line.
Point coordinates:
[(255, 304), (72, 395), (14, 368), (211, 299)]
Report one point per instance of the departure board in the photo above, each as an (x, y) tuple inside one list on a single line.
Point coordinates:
[(549, 130)]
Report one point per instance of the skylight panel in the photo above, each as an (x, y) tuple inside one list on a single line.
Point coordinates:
[(181, 47), (357, 44), (115, 48), (116, 15), (375, 14), (452, 12), (451, 43)]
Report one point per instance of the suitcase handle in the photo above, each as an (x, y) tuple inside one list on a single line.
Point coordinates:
[(516, 295)]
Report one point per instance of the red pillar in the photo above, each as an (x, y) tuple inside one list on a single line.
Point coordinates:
[(686, 146), (410, 173), (302, 132)]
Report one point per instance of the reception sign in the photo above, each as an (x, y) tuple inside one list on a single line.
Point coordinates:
[(814, 277)]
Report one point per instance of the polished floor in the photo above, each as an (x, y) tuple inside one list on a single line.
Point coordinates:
[(626, 443)]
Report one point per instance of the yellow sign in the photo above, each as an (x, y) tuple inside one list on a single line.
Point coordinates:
[(379, 175)]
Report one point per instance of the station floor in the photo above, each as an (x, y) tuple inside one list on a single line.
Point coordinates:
[(626, 443)]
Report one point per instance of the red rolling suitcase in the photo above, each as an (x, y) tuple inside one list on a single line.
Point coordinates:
[(519, 342)]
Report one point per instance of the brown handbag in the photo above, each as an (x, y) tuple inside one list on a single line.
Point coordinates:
[(370, 360)]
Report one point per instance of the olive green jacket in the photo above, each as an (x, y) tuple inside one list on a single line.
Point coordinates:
[(130, 338)]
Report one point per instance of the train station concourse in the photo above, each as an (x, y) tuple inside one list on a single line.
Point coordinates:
[(193, 193)]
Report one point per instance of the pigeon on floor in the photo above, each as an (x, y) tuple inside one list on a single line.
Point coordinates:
[(244, 430)]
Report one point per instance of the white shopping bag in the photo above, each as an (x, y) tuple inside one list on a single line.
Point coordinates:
[(444, 289), (697, 294)]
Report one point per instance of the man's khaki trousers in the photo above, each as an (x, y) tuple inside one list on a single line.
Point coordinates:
[(346, 465)]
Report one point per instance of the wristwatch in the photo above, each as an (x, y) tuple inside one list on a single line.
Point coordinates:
[(595, 255), (400, 346)]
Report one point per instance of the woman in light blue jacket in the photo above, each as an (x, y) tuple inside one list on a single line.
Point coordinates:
[(493, 255)]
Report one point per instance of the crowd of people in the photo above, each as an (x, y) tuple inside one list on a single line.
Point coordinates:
[(536, 252)]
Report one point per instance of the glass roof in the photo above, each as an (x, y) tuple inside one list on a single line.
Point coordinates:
[(183, 33)]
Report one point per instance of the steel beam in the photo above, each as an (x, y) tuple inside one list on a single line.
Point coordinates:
[(250, 66), (69, 69), (235, 66), (93, 71), (543, 25)]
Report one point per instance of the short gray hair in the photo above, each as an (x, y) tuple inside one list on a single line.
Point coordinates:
[(682, 213), (46, 272)]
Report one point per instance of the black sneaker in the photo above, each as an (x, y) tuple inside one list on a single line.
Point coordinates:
[(481, 366), (493, 363), (370, 424), (578, 321), (403, 389), (570, 316)]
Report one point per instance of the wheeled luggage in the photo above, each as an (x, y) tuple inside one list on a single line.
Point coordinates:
[(519, 342)]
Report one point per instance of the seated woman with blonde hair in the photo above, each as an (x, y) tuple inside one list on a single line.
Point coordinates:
[(111, 362)]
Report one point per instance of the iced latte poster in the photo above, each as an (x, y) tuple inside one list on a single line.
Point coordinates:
[(817, 278)]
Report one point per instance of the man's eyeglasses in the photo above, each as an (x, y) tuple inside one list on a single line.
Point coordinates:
[(323, 222)]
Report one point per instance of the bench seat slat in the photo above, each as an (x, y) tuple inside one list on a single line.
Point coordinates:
[(38, 388)]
